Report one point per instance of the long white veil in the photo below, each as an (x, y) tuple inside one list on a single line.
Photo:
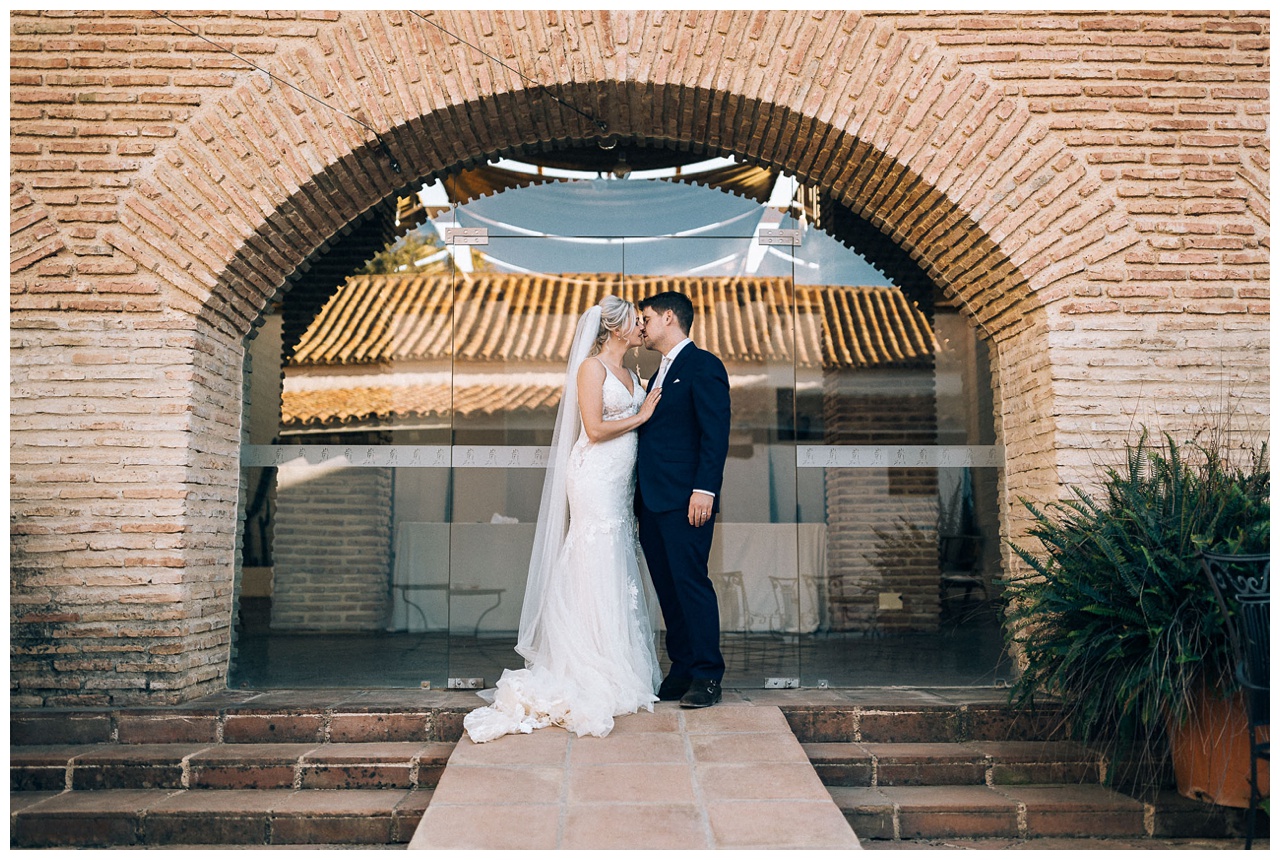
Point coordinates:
[(553, 510)]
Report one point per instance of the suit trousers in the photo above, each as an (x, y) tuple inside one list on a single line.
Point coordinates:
[(677, 554)]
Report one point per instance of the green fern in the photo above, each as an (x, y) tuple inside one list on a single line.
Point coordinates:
[(1114, 615)]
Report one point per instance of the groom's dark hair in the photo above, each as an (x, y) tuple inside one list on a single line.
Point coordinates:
[(678, 303)]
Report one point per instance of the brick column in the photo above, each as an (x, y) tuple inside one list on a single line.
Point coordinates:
[(332, 552), (121, 574), (882, 556)]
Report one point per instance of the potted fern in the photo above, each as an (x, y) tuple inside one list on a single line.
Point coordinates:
[(1114, 615)]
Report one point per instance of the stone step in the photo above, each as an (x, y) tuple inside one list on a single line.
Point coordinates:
[(970, 763), (872, 715), (921, 723), (377, 765), (359, 767), (274, 720), (904, 813), (373, 817), (125, 817), (730, 777)]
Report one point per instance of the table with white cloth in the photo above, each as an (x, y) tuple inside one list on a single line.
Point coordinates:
[(469, 577)]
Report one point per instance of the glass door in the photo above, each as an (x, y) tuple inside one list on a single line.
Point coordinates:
[(399, 424), (514, 316), (515, 311), (897, 468)]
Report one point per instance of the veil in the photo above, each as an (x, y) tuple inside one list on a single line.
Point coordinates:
[(553, 510)]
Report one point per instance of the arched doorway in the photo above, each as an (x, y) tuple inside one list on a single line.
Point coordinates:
[(393, 505), (909, 140), (973, 276)]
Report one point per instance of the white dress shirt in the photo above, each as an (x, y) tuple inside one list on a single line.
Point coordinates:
[(668, 360)]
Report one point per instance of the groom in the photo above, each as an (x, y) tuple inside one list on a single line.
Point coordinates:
[(682, 450)]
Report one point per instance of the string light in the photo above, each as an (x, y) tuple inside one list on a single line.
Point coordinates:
[(600, 124), (382, 144)]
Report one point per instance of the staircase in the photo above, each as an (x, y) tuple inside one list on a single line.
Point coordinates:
[(351, 768), (921, 771), (280, 769)]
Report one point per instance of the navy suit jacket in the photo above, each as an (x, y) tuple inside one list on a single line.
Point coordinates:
[(684, 445)]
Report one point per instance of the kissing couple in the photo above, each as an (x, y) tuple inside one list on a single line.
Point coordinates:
[(630, 468)]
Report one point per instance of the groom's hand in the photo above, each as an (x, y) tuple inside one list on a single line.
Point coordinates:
[(700, 509)]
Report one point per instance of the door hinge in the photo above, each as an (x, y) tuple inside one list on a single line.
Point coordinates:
[(467, 236), (780, 237), (782, 683)]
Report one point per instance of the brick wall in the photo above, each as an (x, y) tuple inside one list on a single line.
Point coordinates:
[(332, 551), (1091, 188), (882, 524)]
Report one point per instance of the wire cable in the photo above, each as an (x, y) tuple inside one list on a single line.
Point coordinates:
[(382, 144), (598, 123)]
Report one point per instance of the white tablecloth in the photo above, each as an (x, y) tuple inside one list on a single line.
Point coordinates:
[(779, 564)]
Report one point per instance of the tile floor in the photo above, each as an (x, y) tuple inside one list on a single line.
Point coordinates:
[(731, 776)]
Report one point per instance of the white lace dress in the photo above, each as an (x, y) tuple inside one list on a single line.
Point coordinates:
[(596, 657)]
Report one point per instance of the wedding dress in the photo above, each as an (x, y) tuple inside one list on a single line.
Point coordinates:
[(586, 632)]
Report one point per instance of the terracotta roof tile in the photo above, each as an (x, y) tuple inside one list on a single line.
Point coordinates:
[(390, 404), (384, 319), (500, 317)]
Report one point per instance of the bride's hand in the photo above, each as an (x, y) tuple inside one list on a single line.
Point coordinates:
[(650, 403)]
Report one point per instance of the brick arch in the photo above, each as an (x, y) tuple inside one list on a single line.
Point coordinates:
[(954, 171), (936, 157), (258, 183), (973, 158), (928, 204)]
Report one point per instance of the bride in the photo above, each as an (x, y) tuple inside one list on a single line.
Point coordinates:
[(585, 630)]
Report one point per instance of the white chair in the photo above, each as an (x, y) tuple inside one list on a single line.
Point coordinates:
[(786, 599), (735, 617)]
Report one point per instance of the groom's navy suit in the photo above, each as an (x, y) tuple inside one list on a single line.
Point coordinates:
[(682, 448)]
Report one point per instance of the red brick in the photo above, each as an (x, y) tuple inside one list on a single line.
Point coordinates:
[(272, 728), (377, 727), (161, 728)]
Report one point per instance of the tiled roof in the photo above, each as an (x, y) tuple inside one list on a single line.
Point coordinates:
[(392, 403), (384, 319), (379, 319)]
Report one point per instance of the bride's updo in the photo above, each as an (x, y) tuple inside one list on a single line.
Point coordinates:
[(616, 315)]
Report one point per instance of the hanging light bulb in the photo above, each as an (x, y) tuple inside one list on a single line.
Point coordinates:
[(621, 170)]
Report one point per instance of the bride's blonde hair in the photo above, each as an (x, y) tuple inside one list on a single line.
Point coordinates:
[(615, 315)]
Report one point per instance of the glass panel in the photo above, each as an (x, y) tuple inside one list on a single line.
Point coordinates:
[(765, 570), (336, 617), (899, 443), (515, 314), (392, 479), (347, 480)]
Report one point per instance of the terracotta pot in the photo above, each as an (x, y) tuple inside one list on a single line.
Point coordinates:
[(1211, 752)]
